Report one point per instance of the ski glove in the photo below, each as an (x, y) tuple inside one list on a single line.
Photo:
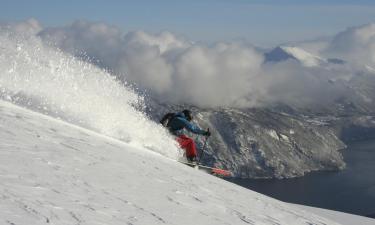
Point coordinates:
[(207, 133)]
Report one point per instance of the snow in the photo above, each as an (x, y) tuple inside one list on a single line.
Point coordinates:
[(52, 172), (343, 218), (107, 163), (273, 134), (44, 79), (306, 58)]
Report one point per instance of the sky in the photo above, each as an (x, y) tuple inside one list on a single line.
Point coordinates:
[(262, 23)]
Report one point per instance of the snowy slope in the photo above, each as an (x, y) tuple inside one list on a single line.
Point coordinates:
[(306, 58), (52, 172), (343, 218)]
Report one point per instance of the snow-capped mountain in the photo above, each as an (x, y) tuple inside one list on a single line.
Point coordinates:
[(52, 172), (282, 53)]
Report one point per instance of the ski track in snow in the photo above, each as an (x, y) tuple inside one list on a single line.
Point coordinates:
[(52, 172)]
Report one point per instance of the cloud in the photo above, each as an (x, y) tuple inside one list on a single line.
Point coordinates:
[(176, 70), (96, 40), (292, 83), (356, 44), (28, 27), (169, 67), (221, 75), (165, 41)]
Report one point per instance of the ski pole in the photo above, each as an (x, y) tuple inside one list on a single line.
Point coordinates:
[(204, 146)]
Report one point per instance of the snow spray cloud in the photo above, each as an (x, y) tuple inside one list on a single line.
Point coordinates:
[(43, 78)]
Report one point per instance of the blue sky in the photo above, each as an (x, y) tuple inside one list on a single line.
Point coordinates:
[(263, 23)]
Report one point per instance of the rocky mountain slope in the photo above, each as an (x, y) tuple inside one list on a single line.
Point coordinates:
[(285, 140), (261, 143)]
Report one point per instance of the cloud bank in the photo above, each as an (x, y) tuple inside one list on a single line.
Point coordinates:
[(172, 68), (176, 70), (356, 44)]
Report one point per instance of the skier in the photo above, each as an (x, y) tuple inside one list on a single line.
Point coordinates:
[(176, 122)]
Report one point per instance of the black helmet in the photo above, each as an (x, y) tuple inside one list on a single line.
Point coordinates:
[(188, 114)]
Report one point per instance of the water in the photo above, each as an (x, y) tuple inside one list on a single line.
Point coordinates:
[(351, 190)]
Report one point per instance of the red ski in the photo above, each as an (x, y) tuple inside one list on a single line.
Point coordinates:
[(211, 170)]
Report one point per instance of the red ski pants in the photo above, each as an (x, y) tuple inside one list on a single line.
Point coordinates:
[(188, 145)]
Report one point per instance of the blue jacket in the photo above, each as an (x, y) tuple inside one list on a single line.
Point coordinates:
[(179, 122)]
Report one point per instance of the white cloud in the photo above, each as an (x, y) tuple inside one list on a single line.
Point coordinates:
[(224, 74), (220, 75), (292, 83), (28, 27), (165, 41), (171, 67), (356, 44)]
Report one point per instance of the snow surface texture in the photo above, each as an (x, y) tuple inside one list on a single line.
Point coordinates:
[(46, 80), (52, 172), (340, 217)]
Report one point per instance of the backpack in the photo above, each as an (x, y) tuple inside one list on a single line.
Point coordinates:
[(167, 118)]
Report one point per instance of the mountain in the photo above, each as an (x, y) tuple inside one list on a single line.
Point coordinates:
[(55, 173), (264, 143), (52, 172), (277, 142), (58, 173), (278, 54), (284, 141), (283, 53)]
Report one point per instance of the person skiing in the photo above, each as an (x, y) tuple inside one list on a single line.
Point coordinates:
[(176, 123)]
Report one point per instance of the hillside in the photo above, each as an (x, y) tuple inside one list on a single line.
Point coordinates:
[(52, 172)]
